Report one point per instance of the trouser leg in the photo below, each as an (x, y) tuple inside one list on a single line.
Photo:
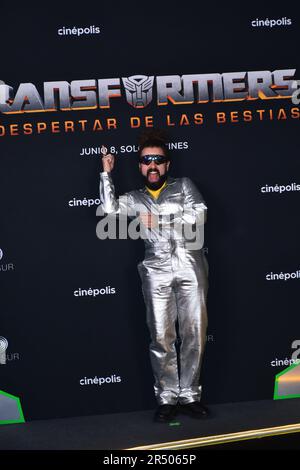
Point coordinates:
[(191, 290), (161, 309)]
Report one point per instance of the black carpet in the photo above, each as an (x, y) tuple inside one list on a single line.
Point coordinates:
[(126, 430)]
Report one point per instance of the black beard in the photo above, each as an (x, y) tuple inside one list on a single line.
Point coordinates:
[(157, 184)]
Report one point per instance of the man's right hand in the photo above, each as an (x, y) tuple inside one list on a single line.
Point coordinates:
[(108, 162), (149, 219)]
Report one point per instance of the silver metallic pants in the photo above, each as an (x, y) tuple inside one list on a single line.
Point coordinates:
[(174, 285)]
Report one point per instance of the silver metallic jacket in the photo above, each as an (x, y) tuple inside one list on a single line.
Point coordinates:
[(174, 281)]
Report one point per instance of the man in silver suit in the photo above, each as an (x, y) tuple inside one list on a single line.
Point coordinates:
[(174, 274)]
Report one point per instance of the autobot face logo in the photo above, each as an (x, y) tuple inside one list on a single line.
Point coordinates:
[(138, 90)]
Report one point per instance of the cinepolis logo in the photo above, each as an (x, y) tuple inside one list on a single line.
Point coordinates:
[(284, 362), (78, 31), (112, 379), (283, 276), (3, 348), (1, 254), (295, 358), (271, 23), (94, 292), (84, 202), (280, 188)]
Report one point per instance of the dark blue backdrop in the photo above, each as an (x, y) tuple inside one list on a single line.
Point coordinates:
[(60, 340)]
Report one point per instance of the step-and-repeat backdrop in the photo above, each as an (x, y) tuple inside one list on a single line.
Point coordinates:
[(223, 83)]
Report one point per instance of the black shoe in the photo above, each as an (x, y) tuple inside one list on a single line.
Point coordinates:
[(165, 413), (195, 410)]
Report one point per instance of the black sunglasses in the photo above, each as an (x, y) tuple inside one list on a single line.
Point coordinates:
[(158, 159)]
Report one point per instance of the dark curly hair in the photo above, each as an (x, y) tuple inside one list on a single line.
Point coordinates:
[(154, 138)]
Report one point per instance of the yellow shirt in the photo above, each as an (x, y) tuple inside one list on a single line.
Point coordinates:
[(155, 193)]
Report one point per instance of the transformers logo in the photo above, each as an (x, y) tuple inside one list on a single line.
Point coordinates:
[(138, 90), (170, 89)]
